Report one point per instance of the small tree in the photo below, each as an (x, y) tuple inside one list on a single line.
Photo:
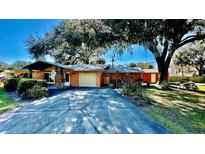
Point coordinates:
[(132, 65)]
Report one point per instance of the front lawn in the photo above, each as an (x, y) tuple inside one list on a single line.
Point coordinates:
[(201, 87), (5, 102), (180, 111)]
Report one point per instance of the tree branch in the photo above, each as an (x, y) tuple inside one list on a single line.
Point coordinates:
[(190, 39)]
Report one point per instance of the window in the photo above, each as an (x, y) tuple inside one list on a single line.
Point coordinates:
[(67, 77), (47, 76)]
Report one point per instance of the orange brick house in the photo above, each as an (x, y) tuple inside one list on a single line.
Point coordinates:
[(83, 75)]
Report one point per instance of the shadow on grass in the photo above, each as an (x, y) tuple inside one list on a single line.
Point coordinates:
[(178, 109)]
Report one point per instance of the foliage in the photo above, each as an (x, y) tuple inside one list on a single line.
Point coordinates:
[(100, 61), (60, 85), (11, 84), (145, 65), (188, 86), (132, 65), (19, 64), (71, 42), (26, 84), (197, 79), (5, 101), (134, 89), (192, 55), (165, 85), (35, 92)]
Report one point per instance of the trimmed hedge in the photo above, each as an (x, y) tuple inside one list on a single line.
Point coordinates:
[(197, 79), (35, 92), (11, 84), (26, 84)]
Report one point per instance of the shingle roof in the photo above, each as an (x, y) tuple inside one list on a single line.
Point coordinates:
[(71, 67), (87, 67), (124, 69), (21, 69)]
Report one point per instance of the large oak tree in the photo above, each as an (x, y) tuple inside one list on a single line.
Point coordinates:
[(71, 42), (161, 37)]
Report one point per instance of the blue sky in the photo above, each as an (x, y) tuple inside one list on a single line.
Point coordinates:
[(13, 34)]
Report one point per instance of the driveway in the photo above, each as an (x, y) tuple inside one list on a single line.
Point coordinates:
[(79, 111)]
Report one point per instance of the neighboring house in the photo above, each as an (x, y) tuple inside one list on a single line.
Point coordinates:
[(20, 72), (84, 75)]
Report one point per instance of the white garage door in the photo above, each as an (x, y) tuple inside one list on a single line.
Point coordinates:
[(87, 79)]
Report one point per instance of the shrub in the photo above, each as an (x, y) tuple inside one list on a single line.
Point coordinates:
[(35, 92), (188, 86), (198, 79), (165, 85), (135, 89), (11, 84), (26, 84), (60, 86)]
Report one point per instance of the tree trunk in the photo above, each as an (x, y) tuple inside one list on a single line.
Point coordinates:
[(163, 67), (182, 70), (200, 72)]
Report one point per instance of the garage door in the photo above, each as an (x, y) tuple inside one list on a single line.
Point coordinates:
[(87, 79), (153, 78)]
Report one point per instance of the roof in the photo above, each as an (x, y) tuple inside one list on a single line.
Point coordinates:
[(150, 70), (40, 65), (21, 69), (87, 67), (124, 69)]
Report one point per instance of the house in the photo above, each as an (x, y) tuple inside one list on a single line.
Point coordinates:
[(18, 72), (83, 75)]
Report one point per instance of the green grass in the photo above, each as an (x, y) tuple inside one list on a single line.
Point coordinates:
[(201, 87), (5, 102), (180, 111)]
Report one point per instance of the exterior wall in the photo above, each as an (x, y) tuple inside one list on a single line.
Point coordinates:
[(49, 69), (147, 77), (19, 72), (114, 76), (98, 79), (74, 77), (37, 74)]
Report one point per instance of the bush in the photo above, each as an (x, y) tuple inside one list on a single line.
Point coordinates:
[(197, 79), (135, 89), (11, 84), (188, 86), (35, 92), (60, 86), (165, 85), (26, 84)]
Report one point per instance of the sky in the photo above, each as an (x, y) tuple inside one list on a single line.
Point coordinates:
[(13, 34)]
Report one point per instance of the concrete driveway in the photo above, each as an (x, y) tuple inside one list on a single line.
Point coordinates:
[(79, 111)]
